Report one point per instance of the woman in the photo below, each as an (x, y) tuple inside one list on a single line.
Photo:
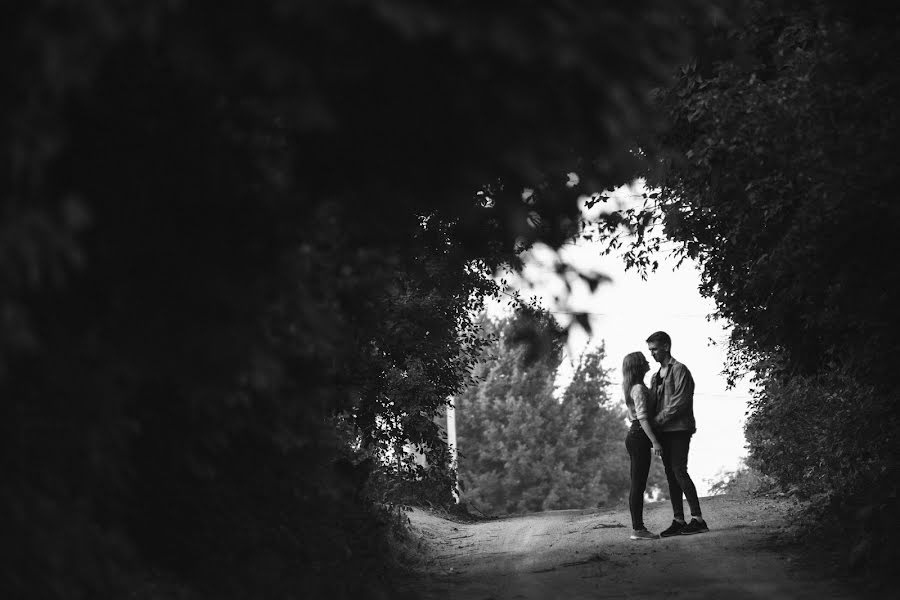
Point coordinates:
[(640, 440)]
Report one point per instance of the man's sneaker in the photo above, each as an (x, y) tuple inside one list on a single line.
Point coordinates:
[(674, 529), (695, 526), (643, 534)]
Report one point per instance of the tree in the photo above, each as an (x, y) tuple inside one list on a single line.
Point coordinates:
[(521, 448), (207, 208), (777, 173), (506, 423)]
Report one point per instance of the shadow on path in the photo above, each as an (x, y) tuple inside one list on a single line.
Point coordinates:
[(577, 554)]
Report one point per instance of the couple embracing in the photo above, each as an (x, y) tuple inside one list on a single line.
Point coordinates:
[(662, 423)]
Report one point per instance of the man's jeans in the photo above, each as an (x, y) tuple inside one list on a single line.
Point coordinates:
[(675, 447)]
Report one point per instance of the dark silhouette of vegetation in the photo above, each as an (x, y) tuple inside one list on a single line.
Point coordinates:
[(238, 238), (777, 172)]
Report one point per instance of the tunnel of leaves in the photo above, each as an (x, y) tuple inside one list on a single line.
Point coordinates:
[(239, 238), (241, 244)]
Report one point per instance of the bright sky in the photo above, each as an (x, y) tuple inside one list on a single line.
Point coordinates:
[(628, 309)]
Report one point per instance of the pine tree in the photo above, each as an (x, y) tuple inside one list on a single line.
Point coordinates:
[(523, 449), (506, 423), (597, 424)]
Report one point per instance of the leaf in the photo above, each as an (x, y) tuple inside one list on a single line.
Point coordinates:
[(583, 320)]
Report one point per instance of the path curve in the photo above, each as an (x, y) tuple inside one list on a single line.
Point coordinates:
[(576, 554)]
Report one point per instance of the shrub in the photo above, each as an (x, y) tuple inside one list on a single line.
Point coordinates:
[(742, 481), (822, 433), (833, 436)]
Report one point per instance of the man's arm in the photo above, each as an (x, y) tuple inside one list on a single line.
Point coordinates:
[(682, 396)]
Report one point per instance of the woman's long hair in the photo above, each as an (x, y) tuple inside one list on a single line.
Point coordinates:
[(632, 373)]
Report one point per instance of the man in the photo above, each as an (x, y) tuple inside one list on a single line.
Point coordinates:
[(674, 424)]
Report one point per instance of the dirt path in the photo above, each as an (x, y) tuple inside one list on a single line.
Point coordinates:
[(587, 554)]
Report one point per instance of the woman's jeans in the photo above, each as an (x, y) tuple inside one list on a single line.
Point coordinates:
[(675, 447), (639, 449)]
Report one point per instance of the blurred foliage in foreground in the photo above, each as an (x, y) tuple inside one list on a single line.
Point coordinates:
[(238, 238)]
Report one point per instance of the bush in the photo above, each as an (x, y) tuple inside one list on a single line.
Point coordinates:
[(823, 433), (744, 480), (833, 436)]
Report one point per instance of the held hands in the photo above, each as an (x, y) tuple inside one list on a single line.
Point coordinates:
[(657, 450)]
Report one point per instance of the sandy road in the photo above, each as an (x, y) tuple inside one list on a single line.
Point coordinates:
[(587, 554)]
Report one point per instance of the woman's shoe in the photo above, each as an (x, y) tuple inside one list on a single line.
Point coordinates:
[(643, 534)]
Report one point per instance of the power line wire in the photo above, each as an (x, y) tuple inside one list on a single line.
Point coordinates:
[(596, 314)]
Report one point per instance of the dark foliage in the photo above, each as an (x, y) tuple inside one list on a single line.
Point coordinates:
[(212, 245), (778, 174)]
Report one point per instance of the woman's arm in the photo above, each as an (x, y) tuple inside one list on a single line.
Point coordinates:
[(641, 398), (645, 425)]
